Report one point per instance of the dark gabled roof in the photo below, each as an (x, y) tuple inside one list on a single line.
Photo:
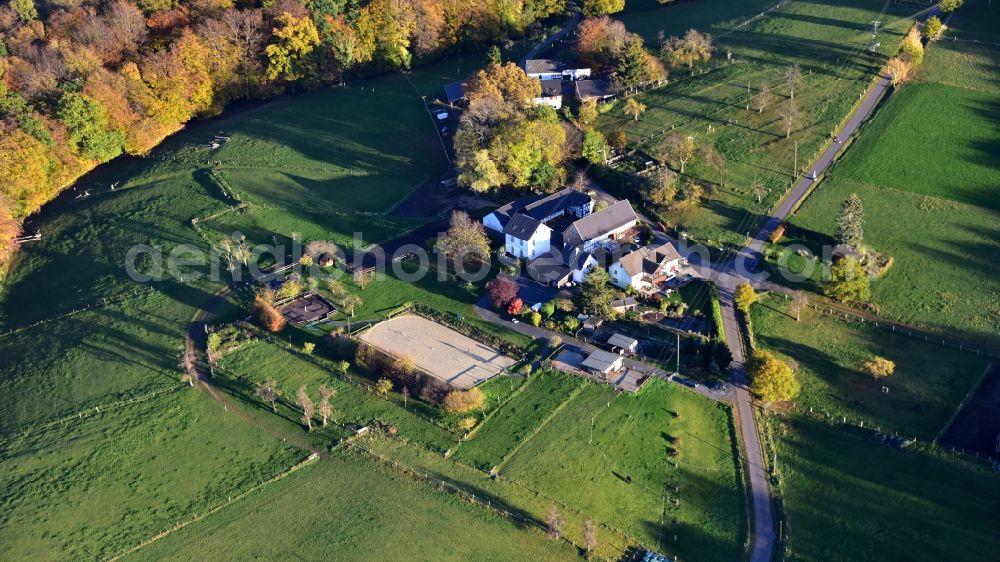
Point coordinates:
[(551, 88), (522, 226), (593, 89), (454, 91), (504, 213), (555, 203), (574, 257), (600, 223), (542, 206), (620, 303), (649, 259), (542, 66), (548, 271)]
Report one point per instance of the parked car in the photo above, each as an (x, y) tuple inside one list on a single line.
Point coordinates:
[(686, 382)]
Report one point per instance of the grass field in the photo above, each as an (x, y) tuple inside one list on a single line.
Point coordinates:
[(92, 336), (849, 499), (929, 383), (828, 40), (354, 404), (558, 464), (91, 487), (387, 292), (926, 168), (347, 507), (523, 414), (586, 467), (945, 150)]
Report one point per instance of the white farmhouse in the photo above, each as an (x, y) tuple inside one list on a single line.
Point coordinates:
[(526, 237), (645, 268), (552, 94), (550, 69), (566, 202)]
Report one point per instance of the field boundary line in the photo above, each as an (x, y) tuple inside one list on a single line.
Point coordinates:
[(845, 313), (520, 390), (399, 202), (352, 380), (626, 538), (965, 401), (104, 302), (846, 143), (426, 478), (576, 392), (91, 411), (281, 475)]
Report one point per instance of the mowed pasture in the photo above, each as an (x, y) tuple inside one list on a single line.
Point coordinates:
[(559, 462), (829, 354), (354, 406), (933, 140), (847, 498), (524, 413), (927, 169), (435, 289), (95, 486), (352, 508), (827, 40), (608, 456), (347, 210)]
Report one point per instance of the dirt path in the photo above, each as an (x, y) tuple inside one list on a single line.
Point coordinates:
[(196, 337)]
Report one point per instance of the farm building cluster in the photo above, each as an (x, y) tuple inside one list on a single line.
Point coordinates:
[(558, 81), (561, 236)]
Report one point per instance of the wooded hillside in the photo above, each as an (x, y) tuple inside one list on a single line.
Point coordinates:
[(83, 81)]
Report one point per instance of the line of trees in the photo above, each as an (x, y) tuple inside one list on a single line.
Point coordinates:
[(82, 81)]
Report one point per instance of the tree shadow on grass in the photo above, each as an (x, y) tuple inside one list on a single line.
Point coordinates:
[(725, 513), (521, 518), (738, 220)]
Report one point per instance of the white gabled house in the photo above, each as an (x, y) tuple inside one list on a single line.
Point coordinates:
[(551, 69), (526, 237), (579, 262), (552, 94), (559, 233), (645, 268)]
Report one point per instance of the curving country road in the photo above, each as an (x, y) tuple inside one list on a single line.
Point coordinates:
[(573, 20), (727, 276)]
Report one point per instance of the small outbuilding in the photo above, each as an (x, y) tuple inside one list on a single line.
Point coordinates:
[(593, 90), (592, 322), (624, 305), (623, 343), (603, 363)]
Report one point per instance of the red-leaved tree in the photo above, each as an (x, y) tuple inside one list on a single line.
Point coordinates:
[(515, 306), (501, 291)]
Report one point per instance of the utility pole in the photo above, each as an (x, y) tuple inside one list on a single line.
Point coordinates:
[(875, 44), (795, 161), (748, 95), (677, 369)]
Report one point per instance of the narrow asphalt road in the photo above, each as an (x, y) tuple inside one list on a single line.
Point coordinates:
[(742, 267), (573, 20), (752, 252)]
